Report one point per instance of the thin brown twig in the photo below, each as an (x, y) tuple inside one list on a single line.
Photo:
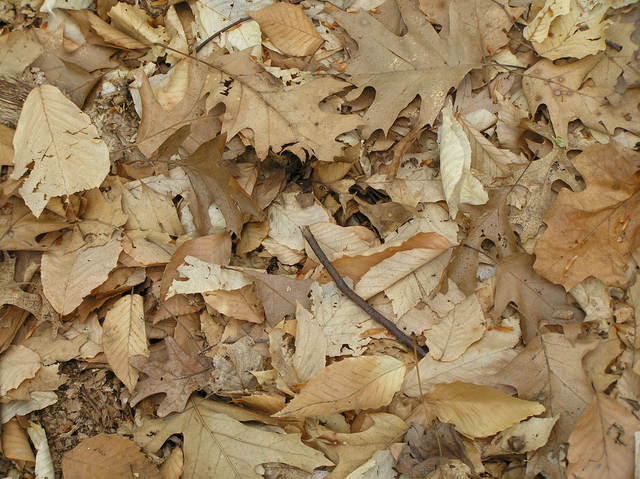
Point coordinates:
[(220, 32), (357, 299)]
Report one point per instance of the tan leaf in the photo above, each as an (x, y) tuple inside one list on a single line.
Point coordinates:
[(366, 382), (107, 456), (44, 463), (173, 466), (67, 277), (108, 33), (478, 411), (15, 443), (17, 50), (602, 443), (526, 436), (124, 336), (213, 183), (274, 114), (483, 359), (350, 450), (311, 346), (59, 146), (17, 364), (20, 230), (288, 28), (6, 146), (200, 277), (217, 445), (593, 232), (450, 338), (135, 22), (242, 303)]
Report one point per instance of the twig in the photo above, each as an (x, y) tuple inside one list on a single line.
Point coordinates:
[(353, 296), (221, 31)]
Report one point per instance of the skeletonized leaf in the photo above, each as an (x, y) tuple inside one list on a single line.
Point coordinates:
[(366, 382), (216, 445), (601, 445), (67, 277), (63, 146), (124, 336), (288, 28), (479, 411)]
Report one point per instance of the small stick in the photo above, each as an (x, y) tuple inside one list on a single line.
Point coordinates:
[(353, 296), (221, 31)]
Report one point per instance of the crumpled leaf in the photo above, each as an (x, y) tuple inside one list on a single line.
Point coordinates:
[(107, 456), (217, 445), (288, 28), (59, 147), (366, 382), (173, 372), (593, 232), (478, 411), (124, 336), (602, 443), (44, 468)]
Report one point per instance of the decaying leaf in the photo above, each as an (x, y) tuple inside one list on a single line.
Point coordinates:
[(366, 382), (217, 445), (60, 148)]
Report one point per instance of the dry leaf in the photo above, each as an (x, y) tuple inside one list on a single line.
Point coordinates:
[(124, 337), (350, 450), (200, 277), (44, 464), (602, 443), (524, 437), (216, 445), (288, 28), (478, 411), (107, 456), (59, 146), (18, 49), (15, 443), (367, 382), (592, 233), (69, 276), (464, 325), (17, 364)]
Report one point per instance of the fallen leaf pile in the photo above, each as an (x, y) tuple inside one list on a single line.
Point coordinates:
[(470, 168)]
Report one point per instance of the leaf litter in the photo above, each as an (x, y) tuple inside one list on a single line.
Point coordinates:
[(319, 239)]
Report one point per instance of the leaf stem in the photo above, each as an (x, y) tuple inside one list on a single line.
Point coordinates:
[(357, 299)]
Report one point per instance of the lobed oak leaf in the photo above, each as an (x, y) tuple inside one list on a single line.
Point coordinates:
[(366, 382), (420, 63), (173, 372), (278, 116), (288, 28), (593, 232), (60, 148), (217, 444), (602, 443)]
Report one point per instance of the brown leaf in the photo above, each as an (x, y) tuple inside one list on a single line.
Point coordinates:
[(176, 375), (592, 233), (288, 28), (107, 456), (20, 230), (537, 299), (213, 183), (602, 443)]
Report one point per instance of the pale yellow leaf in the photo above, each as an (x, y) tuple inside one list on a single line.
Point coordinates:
[(124, 336), (366, 382), (44, 468), (524, 437), (6, 146), (538, 28), (67, 277), (288, 28), (216, 445), (459, 183), (602, 443), (463, 326), (478, 411), (18, 49), (311, 345), (201, 277), (135, 22), (56, 143), (38, 400), (17, 364)]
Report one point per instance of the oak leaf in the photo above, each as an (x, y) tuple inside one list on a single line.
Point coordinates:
[(478, 411), (278, 116), (217, 445), (366, 382), (602, 443), (288, 28), (59, 146), (107, 456), (124, 336), (420, 63), (593, 232), (173, 372)]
